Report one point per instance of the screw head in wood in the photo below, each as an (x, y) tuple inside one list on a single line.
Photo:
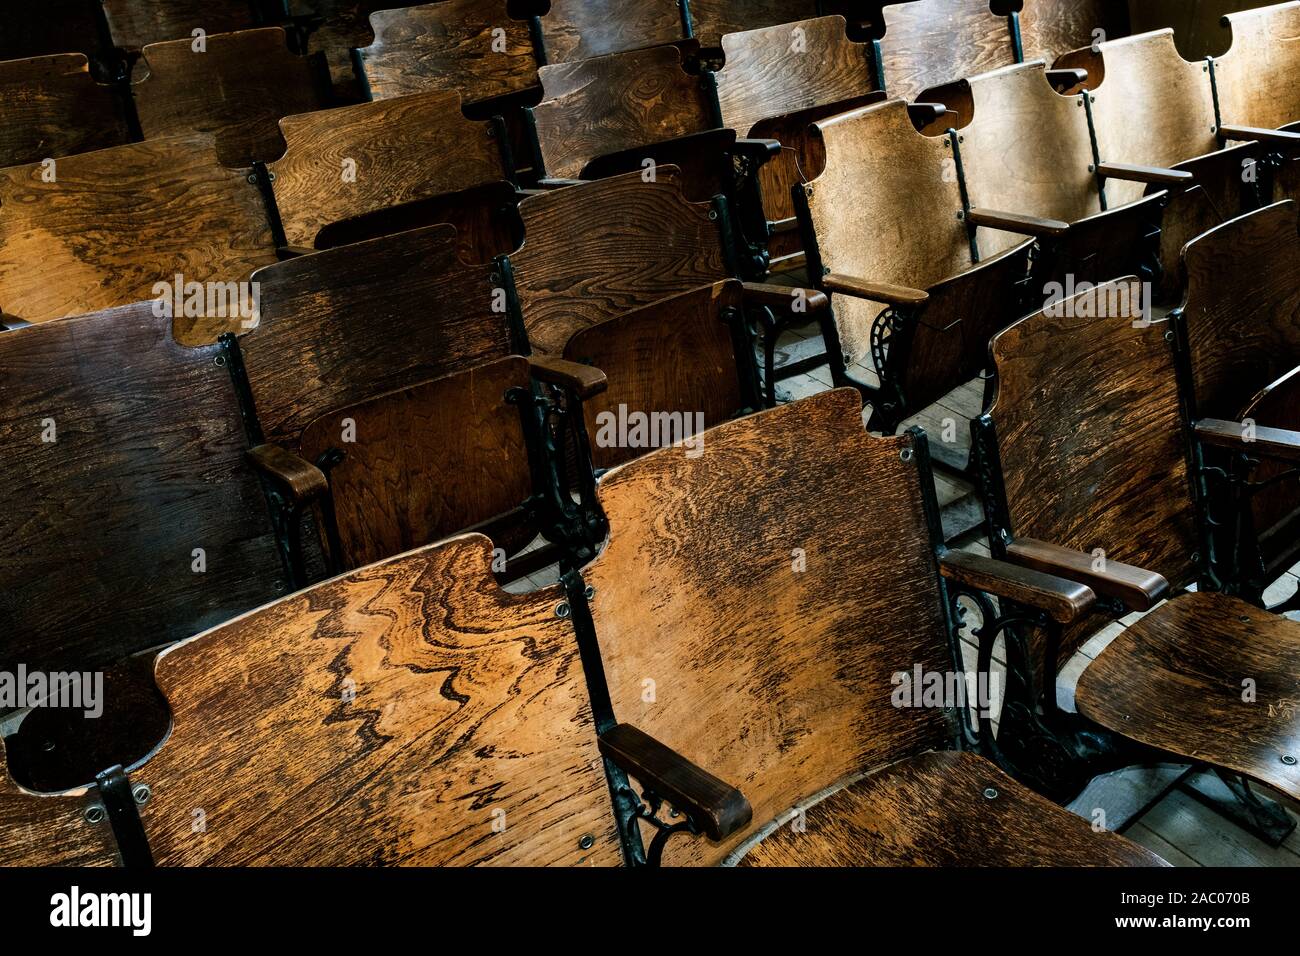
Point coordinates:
[(586, 841), (562, 609), (1288, 759), (94, 814), (990, 793), (141, 794)]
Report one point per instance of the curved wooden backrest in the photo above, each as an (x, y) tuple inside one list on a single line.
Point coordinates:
[(757, 631), (1026, 150), (54, 26), (929, 42), (342, 325), (127, 453), (1049, 28), (712, 19), (579, 29), (594, 107), (597, 250), (134, 25), (237, 88), (1152, 109), (1198, 27), (49, 830), (1259, 76), (50, 106), (883, 210), (410, 713), (1090, 433), (427, 461), (776, 70), (675, 357), (450, 45), (355, 159), (1242, 310), (341, 26), (116, 222)]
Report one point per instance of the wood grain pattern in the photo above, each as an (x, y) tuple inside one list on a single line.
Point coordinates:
[(449, 46), (580, 265), (467, 701), (39, 830), (403, 482), (404, 149), (1049, 28), (342, 325), (774, 71), (343, 25), (932, 810), (149, 455), (134, 25), (578, 29), (118, 221), (1259, 76), (929, 42), (774, 679), (675, 356), (884, 211), (236, 89), (1086, 408), (45, 29), (1198, 27), (50, 106), (616, 102), (711, 19), (1174, 680)]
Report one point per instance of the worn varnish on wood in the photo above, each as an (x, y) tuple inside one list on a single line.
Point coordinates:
[(236, 88), (116, 222), (40, 830), (930, 42), (1259, 75), (448, 46), (598, 250), (711, 19), (352, 160), (50, 106), (579, 30), (338, 27), (134, 25), (409, 713), (1049, 28)]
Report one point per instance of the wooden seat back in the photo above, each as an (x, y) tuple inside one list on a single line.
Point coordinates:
[(134, 25), (127, 452), (337, 28), (883, 210), (1049, 28), (1090, 437), (579, 30), (50, 106), (450, 45), (593, 107), (1259, 76), (711, 20), (756, 632), (237, 88), (107, 230), (1199, 28), (407, 713), (351, 160), (607, 247), (346, 324), (930, 42)]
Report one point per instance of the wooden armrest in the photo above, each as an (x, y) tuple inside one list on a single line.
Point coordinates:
[(717, 807), (1279, 137), (1153, 175), (1067, 78), (923, 114), (758, 149), (550, 183), (584, 381), (292, 252), (1276, 443), (875, 291), (1061, 600), (1016, 222), (302, 480), (783, 297), (1136, 588)]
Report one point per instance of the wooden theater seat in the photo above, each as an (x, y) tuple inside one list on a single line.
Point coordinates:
[(1240, 323), (1050, 28), (237, 88), (713, 19), (115, 223), (131, 469), (738, 657), (353, 160), (134, 25), (448, 46), (334, 29), (928, 43), (890, 247), (50, 106), (579, 30)]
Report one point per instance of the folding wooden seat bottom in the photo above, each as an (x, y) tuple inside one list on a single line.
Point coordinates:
[(943, 808), (1209, 678)]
